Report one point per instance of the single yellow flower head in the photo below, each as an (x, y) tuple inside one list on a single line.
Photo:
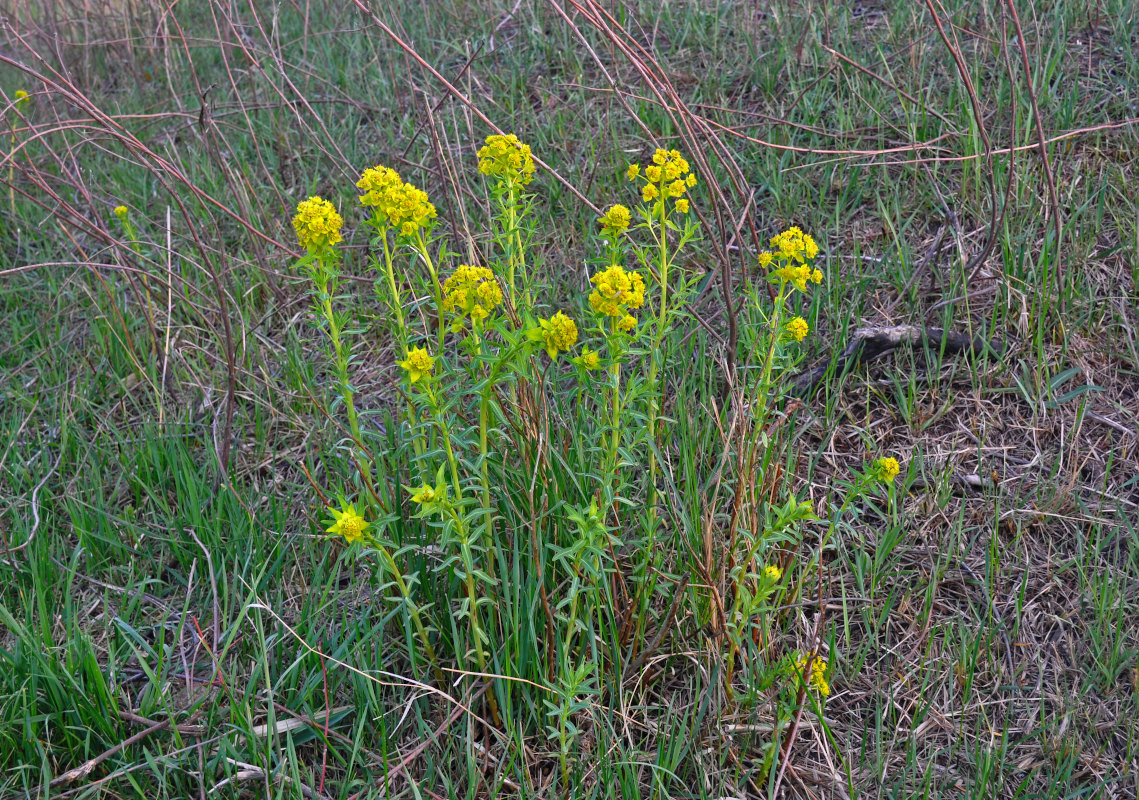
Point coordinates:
[(317, 224), (507, 158), (627, 323), (471, 291), (682, 206), (668, 173), (886, 469), (817, 276), (558, 333), (21, 98), (615, 221), (765, 259), (797, 328), (394, 203), (817, 680), (347, 523), (424, 494), (418, 364), (772, 573), (794, 245), (589, 359), (121, 212)]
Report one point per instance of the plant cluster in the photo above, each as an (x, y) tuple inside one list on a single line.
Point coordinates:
[(525, 449)]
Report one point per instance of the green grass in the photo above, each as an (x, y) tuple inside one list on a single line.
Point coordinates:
[(982, 632)]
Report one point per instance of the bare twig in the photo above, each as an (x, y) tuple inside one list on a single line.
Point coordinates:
[(35, 507), (868, 343)]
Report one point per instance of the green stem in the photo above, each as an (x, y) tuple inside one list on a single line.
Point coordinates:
[(417, 442), (484, 425), (436, 286), (656, 356), (446, 435), (484, 421), (615, 389), (396, 300), (341, 363), (769, 359), (472, 599), (412, 609)]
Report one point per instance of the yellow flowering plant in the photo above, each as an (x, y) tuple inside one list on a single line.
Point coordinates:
[(509, 165), (403, 220), (523, 435), (317, 224)]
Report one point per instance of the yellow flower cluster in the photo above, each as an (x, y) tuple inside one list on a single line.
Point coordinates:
[(317, 224), (347, 523), (886, 469), (507, 158), (772, 573), (794, 250), (798, 329), (471, 291), (21, 98), (121, 212), (818, 676), (418, 364), (589, 359), (794, 245), (395, 203), (668, 175), (615, 222), (558, 333), (617, 290)]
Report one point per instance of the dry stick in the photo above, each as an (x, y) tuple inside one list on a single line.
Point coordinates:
[(194, 731), (169, 317), (868, 343), (1012, 134), (84, 769), (35, 507), (1053, 198)]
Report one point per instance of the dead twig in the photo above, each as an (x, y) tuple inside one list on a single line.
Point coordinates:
[(869, 343), (35, 507), (84, 769)]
